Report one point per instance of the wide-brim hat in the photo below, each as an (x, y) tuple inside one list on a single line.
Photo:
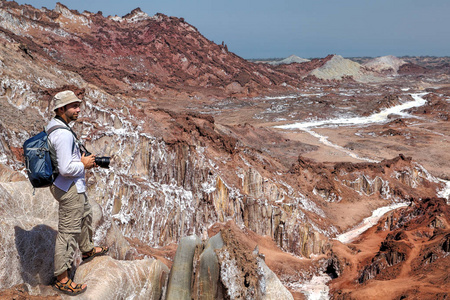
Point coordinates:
[(63, 98)]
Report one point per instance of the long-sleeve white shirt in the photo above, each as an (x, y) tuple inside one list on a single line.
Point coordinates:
[(70, 167)]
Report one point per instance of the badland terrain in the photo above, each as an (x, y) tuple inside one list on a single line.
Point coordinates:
[(229, 179)]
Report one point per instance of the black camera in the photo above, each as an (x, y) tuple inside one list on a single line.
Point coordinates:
[(102, 161)]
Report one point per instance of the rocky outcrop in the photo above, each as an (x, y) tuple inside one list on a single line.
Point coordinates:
[(386, 102), (221, 268), (244, 273), (180, 280), (437, 106), (108, 278), (368, 186), (179, 171), (415, 243), (27, 242), (329, 182), (207, 285), (392, 252)]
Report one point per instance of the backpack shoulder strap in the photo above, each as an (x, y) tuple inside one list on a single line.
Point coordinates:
[(63, 127), (55, 128)]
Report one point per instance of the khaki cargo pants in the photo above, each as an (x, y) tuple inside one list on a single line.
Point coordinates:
[(74, 226)]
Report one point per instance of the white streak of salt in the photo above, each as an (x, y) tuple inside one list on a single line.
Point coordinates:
[(445, 192), (324, 140), (374, 118), (317, 288), (367, 223)]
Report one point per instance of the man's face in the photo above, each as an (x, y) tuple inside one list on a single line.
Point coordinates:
[(72, 111)]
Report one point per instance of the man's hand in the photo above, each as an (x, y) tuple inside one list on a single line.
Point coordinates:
[(88, 161)]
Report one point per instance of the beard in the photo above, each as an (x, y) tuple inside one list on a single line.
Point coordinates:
[(72, 117)]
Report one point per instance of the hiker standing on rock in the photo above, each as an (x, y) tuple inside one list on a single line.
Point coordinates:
[(69, 189)]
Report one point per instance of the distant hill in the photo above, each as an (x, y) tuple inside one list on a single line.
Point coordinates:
[(278, 61), (385, 64), (289, 60), (338, 68)]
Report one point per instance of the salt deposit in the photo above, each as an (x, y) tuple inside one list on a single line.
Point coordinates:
[(445, 192), (337, 68), (315, 289), (374, 118), (367, 223)]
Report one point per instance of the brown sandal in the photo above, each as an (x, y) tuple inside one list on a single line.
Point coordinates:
[(93, 253), (67, 288)]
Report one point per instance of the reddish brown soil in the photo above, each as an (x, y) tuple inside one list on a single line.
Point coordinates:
[(406, 260)]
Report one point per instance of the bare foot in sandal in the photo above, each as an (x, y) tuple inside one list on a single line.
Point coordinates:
[(67, 286), (96, 251)]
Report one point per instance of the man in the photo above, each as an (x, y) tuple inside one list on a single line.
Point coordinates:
[(69, 189)]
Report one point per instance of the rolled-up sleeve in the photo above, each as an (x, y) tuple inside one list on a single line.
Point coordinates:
[(69, 162)]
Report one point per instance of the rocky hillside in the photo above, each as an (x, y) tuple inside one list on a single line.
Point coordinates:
[(137, 54)]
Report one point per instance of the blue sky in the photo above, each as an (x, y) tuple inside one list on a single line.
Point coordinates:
[(306, 28)]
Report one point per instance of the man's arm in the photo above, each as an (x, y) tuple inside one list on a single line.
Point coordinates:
[(69, 164)]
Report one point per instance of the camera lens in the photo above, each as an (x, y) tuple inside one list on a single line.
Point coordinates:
[(102, 162)]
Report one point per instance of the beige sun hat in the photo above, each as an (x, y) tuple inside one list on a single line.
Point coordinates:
[(63, 98)]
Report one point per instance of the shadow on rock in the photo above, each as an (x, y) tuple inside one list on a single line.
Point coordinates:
[(36, 249)]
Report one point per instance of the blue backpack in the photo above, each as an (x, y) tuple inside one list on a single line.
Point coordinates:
[(40, 158)]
